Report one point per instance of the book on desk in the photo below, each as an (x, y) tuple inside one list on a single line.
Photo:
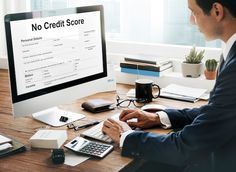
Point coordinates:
[(145, 66), (139, 66)]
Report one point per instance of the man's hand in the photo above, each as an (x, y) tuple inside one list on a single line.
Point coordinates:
[(114, 129), (144, 119)]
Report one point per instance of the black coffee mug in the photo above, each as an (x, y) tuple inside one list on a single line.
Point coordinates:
[(144, 90)]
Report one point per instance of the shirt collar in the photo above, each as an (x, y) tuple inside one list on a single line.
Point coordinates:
[(228, 45)]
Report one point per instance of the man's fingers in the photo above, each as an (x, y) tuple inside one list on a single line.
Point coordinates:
[(110, 123), (129, 116), (107, 124), (125, 112), (133, 124), (105, 129)]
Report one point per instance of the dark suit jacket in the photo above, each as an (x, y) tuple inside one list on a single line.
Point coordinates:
[(207, 139)]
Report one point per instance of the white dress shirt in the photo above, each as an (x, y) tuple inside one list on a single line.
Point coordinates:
[(228, 45), (164, 119)]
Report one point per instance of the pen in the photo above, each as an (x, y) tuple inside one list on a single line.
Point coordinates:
[(87, 125)]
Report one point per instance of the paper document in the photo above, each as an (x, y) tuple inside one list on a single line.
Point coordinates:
[(183, 91), (73, 159)]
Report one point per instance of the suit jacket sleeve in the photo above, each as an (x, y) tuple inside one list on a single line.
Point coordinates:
[(205, 129)]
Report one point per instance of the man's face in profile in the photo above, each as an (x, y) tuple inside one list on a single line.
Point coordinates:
[(205, 23)]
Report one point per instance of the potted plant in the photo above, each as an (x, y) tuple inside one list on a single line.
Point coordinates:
[(210, 71), (192, 66)]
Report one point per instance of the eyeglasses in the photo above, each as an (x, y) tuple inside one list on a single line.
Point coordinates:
[(124, 103)]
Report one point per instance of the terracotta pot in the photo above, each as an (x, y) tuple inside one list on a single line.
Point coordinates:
[(210, 75)]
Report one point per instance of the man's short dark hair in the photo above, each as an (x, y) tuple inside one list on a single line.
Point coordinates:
[(206, 5)]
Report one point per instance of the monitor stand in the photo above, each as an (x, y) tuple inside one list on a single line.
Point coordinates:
[(53, 115)]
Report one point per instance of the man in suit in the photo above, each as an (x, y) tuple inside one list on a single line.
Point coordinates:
[(207, 139)]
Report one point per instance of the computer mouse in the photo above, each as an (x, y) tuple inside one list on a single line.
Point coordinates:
[(153, 108)]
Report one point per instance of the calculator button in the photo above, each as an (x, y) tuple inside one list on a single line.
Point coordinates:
[(95, 149)]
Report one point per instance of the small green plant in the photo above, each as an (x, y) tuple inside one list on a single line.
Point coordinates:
[(194, 57), (211, 64)]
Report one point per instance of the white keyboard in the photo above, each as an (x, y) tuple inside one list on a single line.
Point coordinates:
[(96, 133)]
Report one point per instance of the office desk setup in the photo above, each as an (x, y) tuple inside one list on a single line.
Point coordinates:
[(36, 159)]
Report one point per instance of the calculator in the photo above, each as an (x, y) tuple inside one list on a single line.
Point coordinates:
[(83, 146)]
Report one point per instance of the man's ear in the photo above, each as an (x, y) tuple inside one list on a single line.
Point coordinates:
[(217, 11)]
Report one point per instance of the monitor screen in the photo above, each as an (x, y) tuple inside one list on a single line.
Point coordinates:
[(49, 51)]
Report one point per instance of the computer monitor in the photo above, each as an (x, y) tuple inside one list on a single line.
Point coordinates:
[(55, 57)]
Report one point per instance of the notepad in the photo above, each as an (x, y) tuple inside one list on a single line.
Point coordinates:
[(178, 97), (184, 93)]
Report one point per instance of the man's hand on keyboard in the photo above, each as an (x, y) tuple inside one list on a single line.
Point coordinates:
[(143, 119), (114, 128)]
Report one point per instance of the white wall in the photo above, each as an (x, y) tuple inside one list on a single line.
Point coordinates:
[(158, 50), (2, 30), (7, 7), (113, 47), (76, 3), (14, 6)]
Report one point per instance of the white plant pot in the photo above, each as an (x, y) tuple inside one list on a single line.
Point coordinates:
[(192, 70)]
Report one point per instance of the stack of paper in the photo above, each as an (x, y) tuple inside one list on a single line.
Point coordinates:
[(4, 139), (5, 143), (10, 146), (179, 92)]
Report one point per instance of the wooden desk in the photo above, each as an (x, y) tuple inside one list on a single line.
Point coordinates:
[(38, 159)]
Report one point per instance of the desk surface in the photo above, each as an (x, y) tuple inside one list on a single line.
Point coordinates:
[(38, 159)]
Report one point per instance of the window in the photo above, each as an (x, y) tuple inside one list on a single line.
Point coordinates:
[(2, 34), (148, 21), (47, 4), (9, 6)]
